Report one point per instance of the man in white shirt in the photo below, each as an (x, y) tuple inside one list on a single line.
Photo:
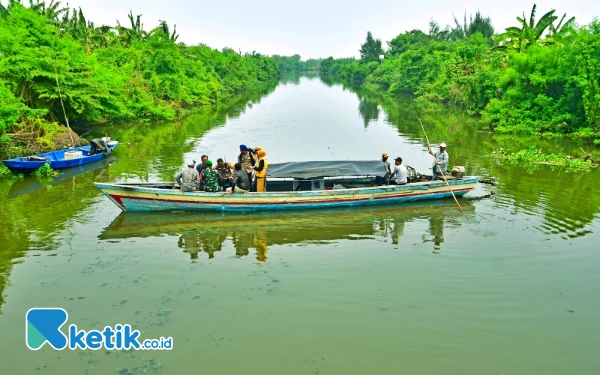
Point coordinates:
[(441, 159), (399, 172)]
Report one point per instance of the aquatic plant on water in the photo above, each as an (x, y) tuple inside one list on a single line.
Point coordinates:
[(7, 174), (45, 171), (536, 156)]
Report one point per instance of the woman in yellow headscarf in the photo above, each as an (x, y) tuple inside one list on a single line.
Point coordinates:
[(260, 171)]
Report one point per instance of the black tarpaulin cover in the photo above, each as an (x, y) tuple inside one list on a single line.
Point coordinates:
[(315, 169)]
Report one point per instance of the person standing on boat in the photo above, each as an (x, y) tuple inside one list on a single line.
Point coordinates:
[(210, 182), (384, 159), (241, 182), (247, 160), (189, 178), (441, 161), (399, 172), (260, 171)]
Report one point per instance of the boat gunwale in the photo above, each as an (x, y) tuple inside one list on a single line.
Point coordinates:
[(425, 185)]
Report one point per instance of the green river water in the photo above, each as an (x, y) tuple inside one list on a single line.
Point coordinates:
[(512, 287)]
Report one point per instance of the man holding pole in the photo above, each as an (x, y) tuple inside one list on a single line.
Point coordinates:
[(440, 164)]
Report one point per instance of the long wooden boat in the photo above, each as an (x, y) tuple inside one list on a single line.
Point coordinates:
[(58, 159), (166, 197)]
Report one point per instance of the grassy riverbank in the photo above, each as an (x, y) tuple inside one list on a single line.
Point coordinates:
[(106, 73), (540, 77)]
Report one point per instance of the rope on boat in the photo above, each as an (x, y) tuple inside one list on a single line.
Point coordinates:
[(442, 172)]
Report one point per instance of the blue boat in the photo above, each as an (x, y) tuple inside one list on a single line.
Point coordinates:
[(61, 159)]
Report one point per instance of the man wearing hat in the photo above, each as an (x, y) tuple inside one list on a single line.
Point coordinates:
[(384, 159), (441, 161), (399, 172), (188, 179), (210, 182)]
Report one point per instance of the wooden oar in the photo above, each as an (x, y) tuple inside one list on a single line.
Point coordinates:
[(442, 172)]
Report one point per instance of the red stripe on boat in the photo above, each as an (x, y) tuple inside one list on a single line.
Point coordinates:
[(118, 198)]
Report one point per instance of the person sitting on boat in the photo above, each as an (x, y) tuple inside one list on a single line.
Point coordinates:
[(225, 174), (399, 172), (440, 163), (210, 178), (247, 160), (260, 172), (200, 167), (380, 180), (188, 179), (241, 182)]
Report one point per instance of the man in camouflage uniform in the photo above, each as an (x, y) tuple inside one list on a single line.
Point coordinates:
[(189, 178), (210, 178)]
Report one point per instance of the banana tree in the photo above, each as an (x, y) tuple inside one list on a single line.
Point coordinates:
[(528, 33), (163, 28), (558, 32), (136, 32)]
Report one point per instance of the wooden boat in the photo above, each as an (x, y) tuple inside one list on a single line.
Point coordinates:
[(97, 150), (285, 180)]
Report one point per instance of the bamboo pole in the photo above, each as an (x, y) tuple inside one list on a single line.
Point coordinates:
[(62, 104), (437, 164)]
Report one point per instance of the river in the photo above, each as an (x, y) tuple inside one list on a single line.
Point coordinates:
[(511, 287)]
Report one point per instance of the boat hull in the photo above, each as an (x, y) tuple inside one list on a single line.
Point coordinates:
[(56, 160), (148, 197)]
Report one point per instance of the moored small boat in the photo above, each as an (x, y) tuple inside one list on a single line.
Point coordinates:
[(331, 190), (61, 159)]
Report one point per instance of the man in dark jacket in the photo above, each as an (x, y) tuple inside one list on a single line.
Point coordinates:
[(241, 182)]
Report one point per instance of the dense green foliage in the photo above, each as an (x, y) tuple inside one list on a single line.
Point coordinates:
[(539, 77), (6, 173), (295, 64), (109, 73), (536, 156)]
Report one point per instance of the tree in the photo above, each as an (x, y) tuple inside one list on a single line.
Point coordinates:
[(436, 32), (371, 49), (408, 40), (519, 38), (163, 28), (557, 33)]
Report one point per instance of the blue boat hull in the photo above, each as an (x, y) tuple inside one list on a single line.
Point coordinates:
[(56, 160)]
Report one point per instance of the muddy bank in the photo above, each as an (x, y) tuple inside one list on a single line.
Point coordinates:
[(23, 144)]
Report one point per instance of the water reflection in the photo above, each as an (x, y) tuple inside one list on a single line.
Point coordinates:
[(436, 231), (255, 233), (368, 109)]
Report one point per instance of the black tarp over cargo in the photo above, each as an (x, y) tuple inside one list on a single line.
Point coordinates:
[(97, 146), (319, 169)]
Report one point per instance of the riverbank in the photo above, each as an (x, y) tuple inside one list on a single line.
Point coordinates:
[(55, 67), (512, 279), (547, 86)]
